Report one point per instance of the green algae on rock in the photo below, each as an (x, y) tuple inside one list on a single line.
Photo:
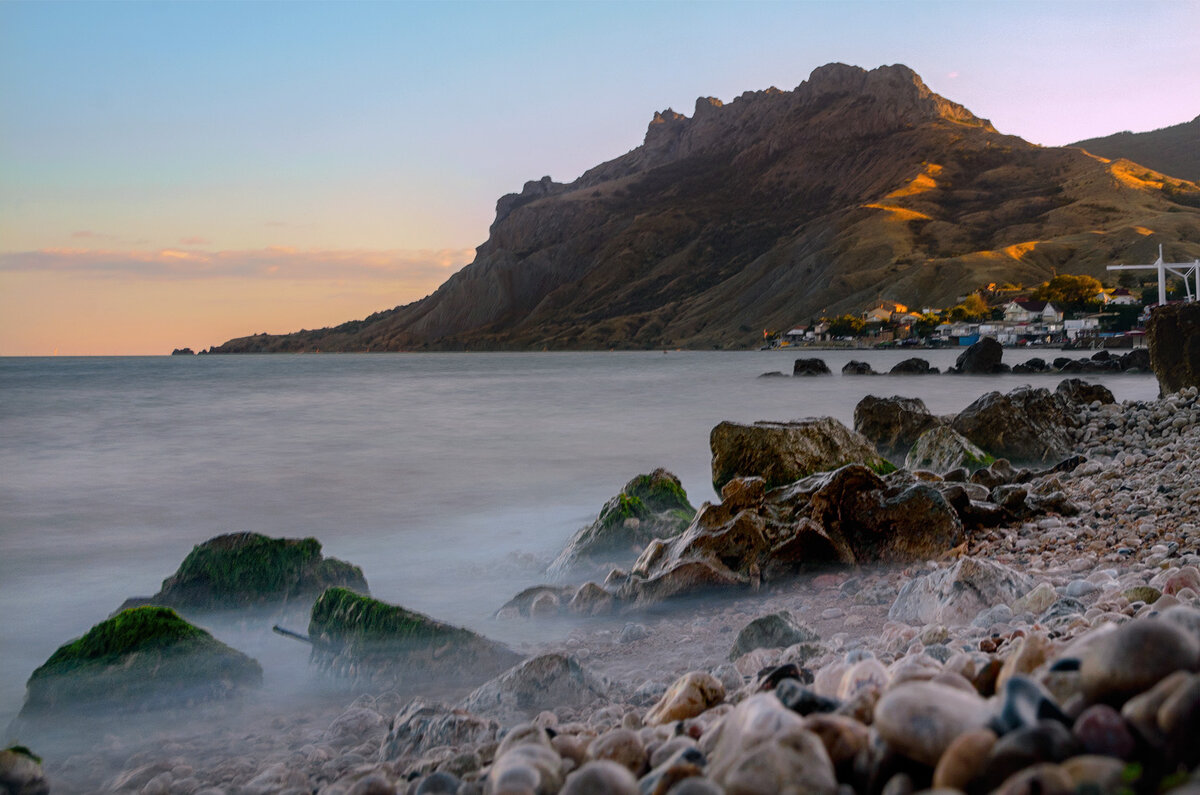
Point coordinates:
[(648, 507), (247, 569), (141, 658), (367, 640)]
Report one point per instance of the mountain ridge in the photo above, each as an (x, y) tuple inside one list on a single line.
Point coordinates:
[(1173, 150), (772, 208)]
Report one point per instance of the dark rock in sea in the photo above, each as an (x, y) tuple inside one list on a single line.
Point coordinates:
[(893, 424), (551, 681), (141, 658), (774, 374), (941, 449), (183, 352), (369, 641), (773, 631), (1077, 392), (247, 570), (21, 772), (784, 452), (981, 358), (648, 507), (1137, 359), (854, 367), (1173, 336), (1024, 425), (810, 367), (913, 366)]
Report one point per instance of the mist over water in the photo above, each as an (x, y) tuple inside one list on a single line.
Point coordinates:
[(451, 479)]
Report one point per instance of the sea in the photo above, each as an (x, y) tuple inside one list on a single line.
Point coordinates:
[(451, 479)]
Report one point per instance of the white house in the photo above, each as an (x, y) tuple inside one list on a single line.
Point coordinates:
[(1031, 312), (1083, 327), (1122, 297)]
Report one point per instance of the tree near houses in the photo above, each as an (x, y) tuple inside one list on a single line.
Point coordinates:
[(845, 325), (1068, 288), (973, 308)]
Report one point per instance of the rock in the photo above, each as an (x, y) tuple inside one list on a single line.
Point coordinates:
[(591, 600), (1037, 601), (941, 449), (783, 452), (1077, 392), (1026, 425), (690, 695), (525, 762), (893, 424), (1179, 721), (1137, 359), (1062, 612), (913, 366), (981, 358), (1091, 773), (1046, 741), (622, 746), (183, 352), (1024, 703), (962, 760), (773, 631), (247, 569), (142, 658), (439, 783), (355, 726), (21, 772), (550, 681), (1173, 336), (844, 739), (1133, 658), (1100, 729), (421, 726), (364, 639), (853, 367), (631, 633), (648, 507), (685, 764), (810, 367), (802, 700), (761, 747), (1044, 778), (602, 777), (921, 719), (955, 595), (1142, 593)]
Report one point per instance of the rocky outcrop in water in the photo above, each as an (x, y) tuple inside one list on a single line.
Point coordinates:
[(1173, 335), (893, 424), (142, 658), (980, 358), (1026, 425)]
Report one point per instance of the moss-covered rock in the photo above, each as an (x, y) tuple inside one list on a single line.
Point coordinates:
[(370, 641), (141, 658), (247, 569), (648, 507), (21, 772), (941, 449)]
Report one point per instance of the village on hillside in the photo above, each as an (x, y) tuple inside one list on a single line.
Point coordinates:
[(1069, 311)]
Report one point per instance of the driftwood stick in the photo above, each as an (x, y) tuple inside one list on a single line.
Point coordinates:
[(287, 633)]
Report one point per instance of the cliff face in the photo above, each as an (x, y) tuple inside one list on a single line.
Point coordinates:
[(1173, 150), (774, 208)]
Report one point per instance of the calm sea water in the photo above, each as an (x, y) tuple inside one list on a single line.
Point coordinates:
[(450, 478)]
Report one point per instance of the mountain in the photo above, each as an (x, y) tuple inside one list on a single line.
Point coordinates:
[(1172, 150), (775, 208)]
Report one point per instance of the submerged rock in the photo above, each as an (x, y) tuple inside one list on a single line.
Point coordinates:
[(142, 658), (784, 452), (648, 507), (364, 639), (249, 569)]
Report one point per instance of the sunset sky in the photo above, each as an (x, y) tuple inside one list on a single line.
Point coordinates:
[(179, 174)]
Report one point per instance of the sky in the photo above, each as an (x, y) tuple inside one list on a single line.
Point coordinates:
[(178, 174)]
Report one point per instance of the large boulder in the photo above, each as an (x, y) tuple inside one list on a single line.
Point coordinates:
[(784, 452), (893, 424), (142, 658), (551, 681), (956, 595), (1173, 335), (855, 367), (248, 569), (941, 449), (982, 358), (650, 506), (1025, 425), (913, 366), (810, 367), (369, 641), (1075, 392)]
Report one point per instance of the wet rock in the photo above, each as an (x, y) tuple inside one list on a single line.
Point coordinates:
[(142, 658), (689, 696), (955, 595), (21, 772), (810, 367), (773, 631), (1173, 337), (913, 366), (921, 719), (369, 640), (941, 449), (648, 507), (761, 747), (981, 358), (601, 777), (1024, 425), (1133, 658), (247, 569), (854, 367), (549, 681), (783, 452), (893, 424)]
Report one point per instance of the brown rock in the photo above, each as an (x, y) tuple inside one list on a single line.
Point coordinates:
[(622, 746), (1173, 336), (1133, 658), (921, 719), (783, 452), (689, 696), (963, 759)]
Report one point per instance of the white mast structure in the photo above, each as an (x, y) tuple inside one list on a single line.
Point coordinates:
[(1188, 271)]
